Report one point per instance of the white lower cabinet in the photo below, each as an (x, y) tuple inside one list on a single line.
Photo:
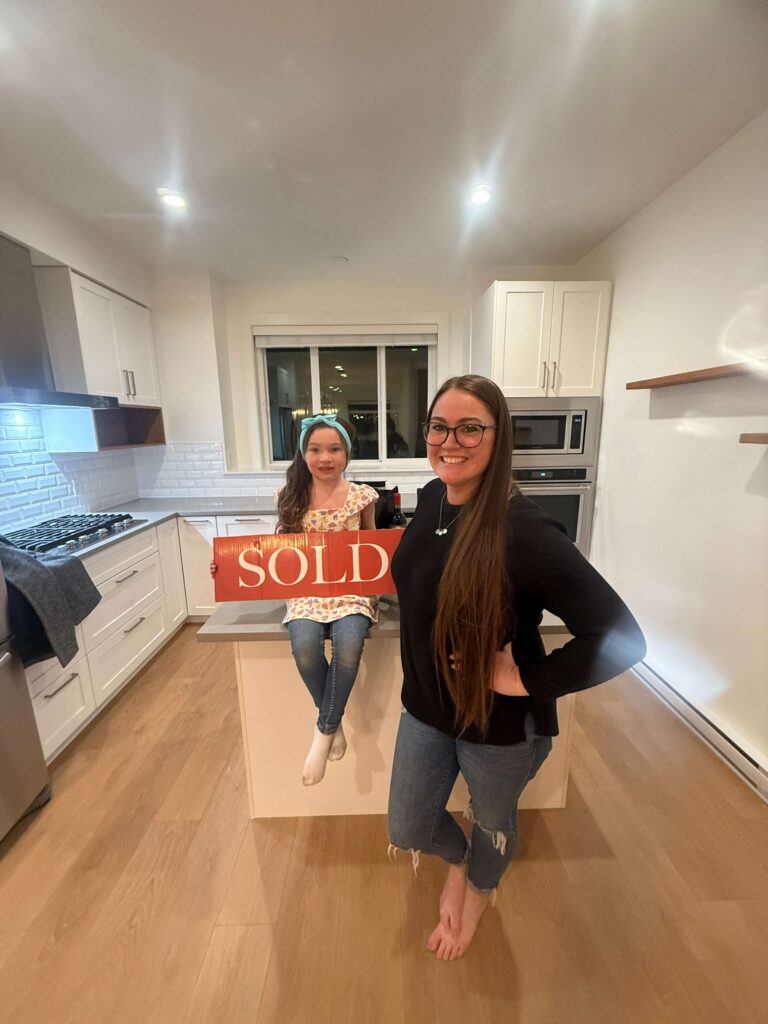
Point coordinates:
[(173, 573), (118, 657), (121, 596), (196, 535), (62, 700), (34, 672), (148, 582), (245, 525)]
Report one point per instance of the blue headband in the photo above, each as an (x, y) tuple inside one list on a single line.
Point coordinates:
[(330, 421)]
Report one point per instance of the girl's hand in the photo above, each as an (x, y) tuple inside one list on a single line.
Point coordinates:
[(506, 678), (213, 568)]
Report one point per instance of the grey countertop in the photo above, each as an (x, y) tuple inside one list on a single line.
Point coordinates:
[(201, 506), (240, 621)]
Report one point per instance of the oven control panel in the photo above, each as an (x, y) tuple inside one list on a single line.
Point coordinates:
[(550, 475)]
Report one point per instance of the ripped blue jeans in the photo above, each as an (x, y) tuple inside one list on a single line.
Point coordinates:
[(425, 767)]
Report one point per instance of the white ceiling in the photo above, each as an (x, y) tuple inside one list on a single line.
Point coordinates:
[(303, 129)]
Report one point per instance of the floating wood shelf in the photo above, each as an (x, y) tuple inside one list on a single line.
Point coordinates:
[(711, 373), (753, 439)]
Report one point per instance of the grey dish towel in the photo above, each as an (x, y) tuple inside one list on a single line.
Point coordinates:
[(48, 595)]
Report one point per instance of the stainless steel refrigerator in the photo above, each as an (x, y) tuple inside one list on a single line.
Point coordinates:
[(24, 781)]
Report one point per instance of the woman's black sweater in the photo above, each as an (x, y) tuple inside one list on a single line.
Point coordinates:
[(546, 571)]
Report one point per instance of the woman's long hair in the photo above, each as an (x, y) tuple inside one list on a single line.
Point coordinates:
[(474, 598), (293, 498)]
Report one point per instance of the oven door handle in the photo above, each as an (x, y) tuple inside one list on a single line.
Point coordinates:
[(534, 486)]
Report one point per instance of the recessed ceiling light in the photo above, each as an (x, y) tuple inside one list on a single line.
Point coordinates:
[(481, 194), (173, 199), (339, 259)]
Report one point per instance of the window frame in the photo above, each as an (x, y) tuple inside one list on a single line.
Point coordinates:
[(279, 331)]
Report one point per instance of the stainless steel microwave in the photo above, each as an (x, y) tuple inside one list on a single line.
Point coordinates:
[(555, 432)]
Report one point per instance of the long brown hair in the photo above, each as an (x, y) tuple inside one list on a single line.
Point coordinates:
[(293, 498), (473, 600)]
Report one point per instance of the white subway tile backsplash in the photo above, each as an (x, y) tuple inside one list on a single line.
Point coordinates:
[(36, 485)]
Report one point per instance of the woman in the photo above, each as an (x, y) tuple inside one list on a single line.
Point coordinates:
[(476, 567)]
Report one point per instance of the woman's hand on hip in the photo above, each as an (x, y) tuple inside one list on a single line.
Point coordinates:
[(506, 677)]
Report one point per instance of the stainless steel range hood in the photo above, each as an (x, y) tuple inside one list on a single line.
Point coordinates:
[(26, 376)]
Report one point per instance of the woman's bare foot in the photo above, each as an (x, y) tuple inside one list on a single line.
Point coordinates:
[(339, 745), (451, 906), (449, 946)]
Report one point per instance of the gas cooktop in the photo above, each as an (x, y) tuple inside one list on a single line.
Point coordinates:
[(70, 533)]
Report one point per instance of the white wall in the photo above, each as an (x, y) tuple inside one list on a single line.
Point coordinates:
[(682, 508), (39, 224)]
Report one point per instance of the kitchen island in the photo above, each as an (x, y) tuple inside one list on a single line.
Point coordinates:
[(277, 720)]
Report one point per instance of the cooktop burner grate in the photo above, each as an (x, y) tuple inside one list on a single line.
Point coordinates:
[(70, 532)]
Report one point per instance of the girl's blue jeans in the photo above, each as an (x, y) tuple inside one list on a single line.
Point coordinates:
[(425, 767), (329, 683)]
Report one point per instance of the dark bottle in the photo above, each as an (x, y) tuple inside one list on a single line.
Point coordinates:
[(398, 519)]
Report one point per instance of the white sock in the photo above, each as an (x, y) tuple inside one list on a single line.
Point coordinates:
[(314, 766), (339, 745)]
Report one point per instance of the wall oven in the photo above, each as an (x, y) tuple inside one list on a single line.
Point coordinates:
[(556, 432), (564, 494)]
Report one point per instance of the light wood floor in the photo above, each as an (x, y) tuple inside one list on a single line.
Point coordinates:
[(144, 894)]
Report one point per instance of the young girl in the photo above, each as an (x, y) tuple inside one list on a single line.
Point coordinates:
[(317, 498)]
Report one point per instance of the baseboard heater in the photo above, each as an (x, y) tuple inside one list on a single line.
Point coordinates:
[(736, 758)]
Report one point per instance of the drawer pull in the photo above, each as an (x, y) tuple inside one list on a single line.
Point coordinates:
[(197, 520), (50, 696), (137, 623), (250, 520), (122, 579)]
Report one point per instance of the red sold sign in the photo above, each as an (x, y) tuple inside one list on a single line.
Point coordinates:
[(287, 565)]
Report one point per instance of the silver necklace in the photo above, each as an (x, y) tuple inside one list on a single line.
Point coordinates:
[(442, 530)]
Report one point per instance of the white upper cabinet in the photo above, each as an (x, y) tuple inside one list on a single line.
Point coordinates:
[(136, 350), (95, 322), (540, 339), (579, 338), (100, 342)]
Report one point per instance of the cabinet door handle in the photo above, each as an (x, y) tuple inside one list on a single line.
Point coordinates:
[(554, 375), (133, 383), (544, 376), (257, 520), (122, 579), (5, 657), (50, 696), (188, 520), (137, 623), (126, 383)]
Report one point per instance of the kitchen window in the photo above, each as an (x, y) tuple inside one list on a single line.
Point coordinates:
[(379, 382)]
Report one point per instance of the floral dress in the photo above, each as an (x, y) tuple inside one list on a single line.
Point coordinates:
[(322, 520)]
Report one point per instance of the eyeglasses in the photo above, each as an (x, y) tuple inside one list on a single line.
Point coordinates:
[(468, 435)]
